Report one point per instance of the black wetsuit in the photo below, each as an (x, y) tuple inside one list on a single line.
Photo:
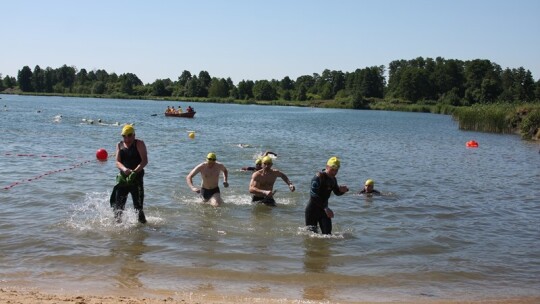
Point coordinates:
[(130, 158), (363, 191), (322, 186)]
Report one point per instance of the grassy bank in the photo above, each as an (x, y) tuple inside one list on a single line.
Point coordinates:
[(523, 119)]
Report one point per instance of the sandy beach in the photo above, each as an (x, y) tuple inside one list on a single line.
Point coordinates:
[(30, 296)]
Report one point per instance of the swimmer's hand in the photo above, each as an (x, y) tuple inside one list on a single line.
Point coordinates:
[(225, 184), (343, 189), (329, 212), (291, 187), (195, 189), (270, 193)]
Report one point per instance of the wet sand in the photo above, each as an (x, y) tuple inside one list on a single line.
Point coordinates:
[(29, 296)]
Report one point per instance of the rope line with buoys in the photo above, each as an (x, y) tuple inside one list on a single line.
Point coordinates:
[(101, 155), (35, 155)]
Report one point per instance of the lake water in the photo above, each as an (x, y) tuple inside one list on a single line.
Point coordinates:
[(452, 223)]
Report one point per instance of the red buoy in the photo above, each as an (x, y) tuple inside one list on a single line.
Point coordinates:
[(101, 154), (471, 144)]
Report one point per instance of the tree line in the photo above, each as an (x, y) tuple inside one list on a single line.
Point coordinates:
[(447, 81)]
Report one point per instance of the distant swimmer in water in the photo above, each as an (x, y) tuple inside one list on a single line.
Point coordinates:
[(258, 166), (258, 162), (369, 188), (262, 183)]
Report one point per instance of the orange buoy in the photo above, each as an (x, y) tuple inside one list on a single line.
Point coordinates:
[(101, 154), (471, 144)]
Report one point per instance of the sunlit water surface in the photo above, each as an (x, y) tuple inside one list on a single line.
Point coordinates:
[(453, 222)]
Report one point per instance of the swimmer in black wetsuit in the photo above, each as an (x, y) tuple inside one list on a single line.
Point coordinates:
[(131, 158), (262, 183), (258, 166), (323, 184), (368, 188), (258, 162)]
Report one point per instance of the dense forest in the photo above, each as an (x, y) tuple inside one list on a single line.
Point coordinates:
[(444, 81)]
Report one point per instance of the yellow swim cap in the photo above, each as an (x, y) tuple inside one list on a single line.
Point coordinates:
[(267, 160), (128, 130), (333, 162), (258, 161), (370, 182), (211, 156)]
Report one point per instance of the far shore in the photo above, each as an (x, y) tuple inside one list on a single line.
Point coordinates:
[(493, 118)]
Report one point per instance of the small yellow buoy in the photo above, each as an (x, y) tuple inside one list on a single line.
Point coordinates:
[(191, 135)]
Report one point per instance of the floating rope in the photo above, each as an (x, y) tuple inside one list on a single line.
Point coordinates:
[(45, 174), (35, 155), (48, 172)]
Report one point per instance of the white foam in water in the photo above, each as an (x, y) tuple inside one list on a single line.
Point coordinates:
[(95, 213)]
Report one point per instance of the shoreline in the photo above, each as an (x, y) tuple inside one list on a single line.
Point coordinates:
[(20, 295)]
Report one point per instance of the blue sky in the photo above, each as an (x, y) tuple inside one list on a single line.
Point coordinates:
[(252, 39)]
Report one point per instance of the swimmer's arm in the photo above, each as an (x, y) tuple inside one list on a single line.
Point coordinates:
[(225, 176), (269, 152), (287, 181), (189, 177)]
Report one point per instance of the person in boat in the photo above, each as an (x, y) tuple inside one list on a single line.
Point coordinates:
[(179, 111), (189, 109), (168, 109), (209, 171), (258, 162), (323, 184), (131, 158), (369, 188), (262, 183)]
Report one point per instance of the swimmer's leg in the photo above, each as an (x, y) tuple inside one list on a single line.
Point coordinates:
[(216, 200)]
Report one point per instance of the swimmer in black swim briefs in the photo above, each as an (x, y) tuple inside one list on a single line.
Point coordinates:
[(268, 201), (207, 194)]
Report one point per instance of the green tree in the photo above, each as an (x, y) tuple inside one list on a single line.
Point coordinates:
[(98, 87), (359, 102), (245, 89), (218, 88), (24, 78), (192, 87), (2, 87), (158, 88), (66, 75), (102, 75), (287, 83), (263, 90), (304, 83), (204, 83), (184, 78), (127, 82), (50, 79), (301, 92), (9, 82), (38, 79), (81, 77), (537, 91), (481, 80)]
